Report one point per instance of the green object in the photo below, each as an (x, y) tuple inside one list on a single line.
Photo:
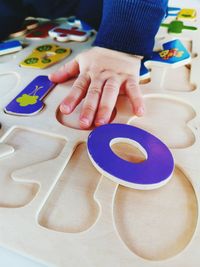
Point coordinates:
[(31, 60), (26, 100), (38, 33), (60, 51), (177, 26), (46, 60), (43, 48)]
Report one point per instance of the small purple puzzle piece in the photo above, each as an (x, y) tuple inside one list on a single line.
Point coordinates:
[(29, 101)]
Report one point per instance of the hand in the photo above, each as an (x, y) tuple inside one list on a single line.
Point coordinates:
[(101, 75)]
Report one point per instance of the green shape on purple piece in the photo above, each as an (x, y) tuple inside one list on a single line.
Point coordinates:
[(29, 100)]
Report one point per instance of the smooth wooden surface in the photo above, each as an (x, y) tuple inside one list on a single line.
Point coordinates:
[(56, 209)]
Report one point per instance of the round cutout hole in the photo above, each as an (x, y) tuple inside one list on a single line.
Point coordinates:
[(128, 150), (72, 120)]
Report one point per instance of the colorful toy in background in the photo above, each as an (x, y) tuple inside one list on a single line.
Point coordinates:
[(177, 26), (10, 47), (74, 22), (173, 11), (187, 14), (29, 24), (174, 54), (36, 29), (19, 32), (152, 173), (29, 101), (41, 31), (182, 14), (72, 30), (45, 55)]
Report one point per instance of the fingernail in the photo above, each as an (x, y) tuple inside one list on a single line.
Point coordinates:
[(50, 76), (84, 121), (65, 108), (100, 122), (140, 111)]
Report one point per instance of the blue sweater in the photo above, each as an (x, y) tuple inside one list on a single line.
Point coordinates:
[(124, 25)]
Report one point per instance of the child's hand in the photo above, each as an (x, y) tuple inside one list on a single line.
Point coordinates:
[(102, 75)]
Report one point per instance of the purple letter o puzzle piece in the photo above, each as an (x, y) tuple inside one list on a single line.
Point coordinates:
[(154, 172)]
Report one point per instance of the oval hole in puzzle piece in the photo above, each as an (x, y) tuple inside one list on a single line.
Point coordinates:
[(128, 151), (157, 224), (154, 172), (164, 113), (72, 120), (9, 82)]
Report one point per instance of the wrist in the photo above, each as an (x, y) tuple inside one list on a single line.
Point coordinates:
[(115, 53)]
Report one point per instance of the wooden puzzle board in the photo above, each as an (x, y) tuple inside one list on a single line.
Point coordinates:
[(58, 210)]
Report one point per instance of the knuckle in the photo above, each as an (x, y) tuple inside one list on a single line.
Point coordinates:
[(80, 84), (95, 68), (99, 79), (94, 73), (106, 74), (83, 79), (94, 91), (136, 99), (89, 108), (79, 87), (112, 85), (131, 82), (105, 109), (70, 99)]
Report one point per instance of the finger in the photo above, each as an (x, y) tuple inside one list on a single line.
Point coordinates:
[(66, 72), (133, 92), (76, 94), (91, 103), (108, 100)]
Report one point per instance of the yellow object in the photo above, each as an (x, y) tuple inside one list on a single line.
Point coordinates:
[(187, 14), (44, 56)]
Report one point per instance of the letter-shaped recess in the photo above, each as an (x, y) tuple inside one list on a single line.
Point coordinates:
[(152, 173)]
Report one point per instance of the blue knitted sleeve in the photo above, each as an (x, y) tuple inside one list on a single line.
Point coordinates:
[(130, 25)]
